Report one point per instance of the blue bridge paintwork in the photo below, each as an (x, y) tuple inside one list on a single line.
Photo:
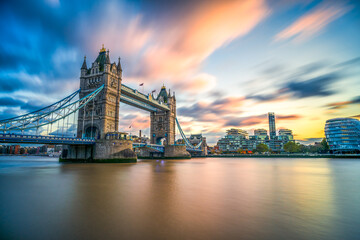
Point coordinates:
[(38, 139), (129, 96)]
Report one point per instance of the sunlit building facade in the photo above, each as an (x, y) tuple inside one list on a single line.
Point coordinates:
[(343, 134), (260, 134), (237, 132), (234, 140), (285, 134), (260, 131)]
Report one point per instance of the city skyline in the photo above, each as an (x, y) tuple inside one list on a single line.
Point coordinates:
[(230, 63)]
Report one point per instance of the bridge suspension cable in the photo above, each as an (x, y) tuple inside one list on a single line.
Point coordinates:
[(49, 114), (187, 143), (44, 110)]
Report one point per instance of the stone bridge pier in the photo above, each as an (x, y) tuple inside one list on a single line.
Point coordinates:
[(112, 149)]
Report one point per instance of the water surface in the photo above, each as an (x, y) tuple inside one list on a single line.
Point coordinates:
[(224, 198)]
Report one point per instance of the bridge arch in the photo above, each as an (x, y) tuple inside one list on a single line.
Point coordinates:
[(92, 131), (161, 140)]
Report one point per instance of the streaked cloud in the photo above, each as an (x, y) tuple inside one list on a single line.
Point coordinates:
[(316, 79), (318, 86), (312, 22), (199, 83), (182, 44), (213, 110), (250, 121), (340, 105)]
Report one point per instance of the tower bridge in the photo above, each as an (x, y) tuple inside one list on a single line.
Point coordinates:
[(97, 111)]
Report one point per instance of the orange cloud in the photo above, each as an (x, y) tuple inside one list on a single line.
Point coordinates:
[(311, 23), (229, 103), (172, 50), (287, 117), (199, 83), (182, 45), (338, 105)]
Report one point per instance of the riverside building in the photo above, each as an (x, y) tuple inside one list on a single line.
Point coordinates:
[(239, 140), (234, 140), (343, 135), (260, 134), (272, 127), (285, 134)]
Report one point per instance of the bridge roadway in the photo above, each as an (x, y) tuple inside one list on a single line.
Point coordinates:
[(39, 139), (137, 99)]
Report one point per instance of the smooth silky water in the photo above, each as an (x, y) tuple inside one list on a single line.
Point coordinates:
[(214, 198)]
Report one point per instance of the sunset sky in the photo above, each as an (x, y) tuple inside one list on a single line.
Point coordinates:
[(229, 62)]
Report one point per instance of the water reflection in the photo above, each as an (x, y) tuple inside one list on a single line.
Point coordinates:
[(191, 199)]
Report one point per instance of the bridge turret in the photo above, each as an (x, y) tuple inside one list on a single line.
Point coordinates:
[(84, 67), (101, 115), (107, 64), (162, 124)]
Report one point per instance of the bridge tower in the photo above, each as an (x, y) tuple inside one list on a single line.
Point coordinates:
[(162, 123), (102, 114)]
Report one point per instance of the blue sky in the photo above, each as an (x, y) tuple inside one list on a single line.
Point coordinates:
[(230, 62)]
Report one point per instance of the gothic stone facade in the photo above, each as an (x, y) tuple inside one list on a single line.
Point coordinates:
[(101, 115), (162, 126)]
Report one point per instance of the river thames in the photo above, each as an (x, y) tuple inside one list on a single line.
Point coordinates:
[(213, 198)]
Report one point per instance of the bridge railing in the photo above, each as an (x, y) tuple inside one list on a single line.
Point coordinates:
[(135, 91), (19, 138)]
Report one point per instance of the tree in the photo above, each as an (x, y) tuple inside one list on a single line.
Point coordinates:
[(301, 148), (291, 147), (314, 148), (261, 147), (325, 145)]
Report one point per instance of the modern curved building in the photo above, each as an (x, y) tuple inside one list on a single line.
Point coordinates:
[(343, 134)]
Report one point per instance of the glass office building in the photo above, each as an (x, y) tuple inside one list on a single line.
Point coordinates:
[(343, 134), (272, 127)]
